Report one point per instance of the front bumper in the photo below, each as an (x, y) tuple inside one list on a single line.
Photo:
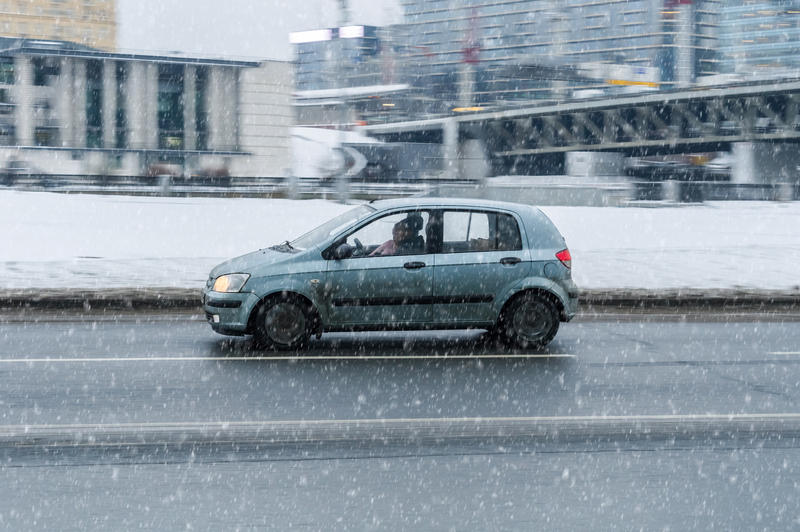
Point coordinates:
[(228, 313)]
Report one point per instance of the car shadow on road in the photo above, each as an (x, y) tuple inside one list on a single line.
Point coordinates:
[(392, 344)]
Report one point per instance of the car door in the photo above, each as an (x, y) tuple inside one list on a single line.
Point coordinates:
[(381, 290), (480, 253)]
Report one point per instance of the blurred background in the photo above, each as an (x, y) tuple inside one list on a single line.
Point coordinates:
[(643, 100)]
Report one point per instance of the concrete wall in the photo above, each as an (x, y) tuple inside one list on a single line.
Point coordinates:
[(764, 163), (47, 161), (249, 110), (473, 161), (533, 193), (264, 120), (223, 102), (594, 163)]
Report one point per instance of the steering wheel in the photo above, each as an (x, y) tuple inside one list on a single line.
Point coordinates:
[(359, 247)]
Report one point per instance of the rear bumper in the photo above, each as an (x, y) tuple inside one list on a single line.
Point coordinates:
[(571, 302)]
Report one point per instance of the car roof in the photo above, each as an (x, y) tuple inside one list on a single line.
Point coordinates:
[(431, 201)]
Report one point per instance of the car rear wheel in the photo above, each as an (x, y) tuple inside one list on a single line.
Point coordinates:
[(283, 323), (529, 321)]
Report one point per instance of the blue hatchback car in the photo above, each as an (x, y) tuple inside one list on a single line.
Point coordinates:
[(416, 263)]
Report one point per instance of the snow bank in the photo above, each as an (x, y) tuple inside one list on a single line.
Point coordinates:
[(715, 245), (87, 241), (83, 241)]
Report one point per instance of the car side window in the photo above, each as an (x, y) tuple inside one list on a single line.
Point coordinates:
[(469, 231), (395, 234)]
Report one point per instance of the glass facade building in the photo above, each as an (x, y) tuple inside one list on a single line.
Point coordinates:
[(319, 65), (520, 47), (468, 54), (759, 37), (502, 53)]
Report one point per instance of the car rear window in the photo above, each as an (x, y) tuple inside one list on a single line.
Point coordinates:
[(467, 231)]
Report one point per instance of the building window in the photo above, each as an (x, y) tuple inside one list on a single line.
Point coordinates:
[(43, 68), (94, 104), (7, 70), (6, 119), (45, 125), (170, 107), (121, 119), (44, 136), (200, 110), (7, 132)]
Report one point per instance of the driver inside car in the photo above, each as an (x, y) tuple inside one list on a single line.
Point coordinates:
[(405, 240)]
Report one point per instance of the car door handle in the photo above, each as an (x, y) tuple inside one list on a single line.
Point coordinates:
[(510, 261), (413, 265)]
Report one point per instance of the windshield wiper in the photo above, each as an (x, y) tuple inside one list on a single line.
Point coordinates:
[(284, 247)]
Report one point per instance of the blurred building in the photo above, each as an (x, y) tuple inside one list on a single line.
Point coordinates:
[(462, 55), (355, 64), (480, 52), (319, 65), (67, 109), (760, 38), (91, 23)]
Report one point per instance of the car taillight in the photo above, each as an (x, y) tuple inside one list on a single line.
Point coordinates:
[(565, 258)]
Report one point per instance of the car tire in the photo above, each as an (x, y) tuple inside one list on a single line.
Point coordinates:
[(529, 321), (283, 323)]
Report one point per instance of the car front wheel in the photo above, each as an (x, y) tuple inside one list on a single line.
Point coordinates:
[(283, 323), (529, 321)]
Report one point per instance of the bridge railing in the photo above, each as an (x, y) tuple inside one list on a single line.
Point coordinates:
[(267, 186), (623, 190)]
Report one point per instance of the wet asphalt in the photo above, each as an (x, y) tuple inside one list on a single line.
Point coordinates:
[(135, 370)]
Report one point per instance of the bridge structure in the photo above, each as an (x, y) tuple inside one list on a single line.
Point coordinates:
[(757, 121)]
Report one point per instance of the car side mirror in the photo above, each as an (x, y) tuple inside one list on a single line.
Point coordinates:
[(343, 251)]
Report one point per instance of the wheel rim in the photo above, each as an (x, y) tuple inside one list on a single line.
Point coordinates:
[(532, 321), (284, 323)]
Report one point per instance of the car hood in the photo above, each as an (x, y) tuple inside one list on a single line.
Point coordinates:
[(252, 262)]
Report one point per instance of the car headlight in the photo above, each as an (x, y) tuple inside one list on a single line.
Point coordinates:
[(232, 282)]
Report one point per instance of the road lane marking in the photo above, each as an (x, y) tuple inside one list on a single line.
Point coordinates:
[(215, 426), (784, 353), (46, 360), (230, 425)]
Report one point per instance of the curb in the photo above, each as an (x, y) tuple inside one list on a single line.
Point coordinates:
[(697, 300), (591, 301), (80, 300), (383, 431)]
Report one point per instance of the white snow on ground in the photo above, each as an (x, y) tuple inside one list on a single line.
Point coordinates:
[(86, 241), (715, 245)]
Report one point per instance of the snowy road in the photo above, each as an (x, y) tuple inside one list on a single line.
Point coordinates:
[(174, 371), (164, 370), (752, 487)]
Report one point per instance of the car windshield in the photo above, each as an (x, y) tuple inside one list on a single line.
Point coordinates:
[(323, 232)]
